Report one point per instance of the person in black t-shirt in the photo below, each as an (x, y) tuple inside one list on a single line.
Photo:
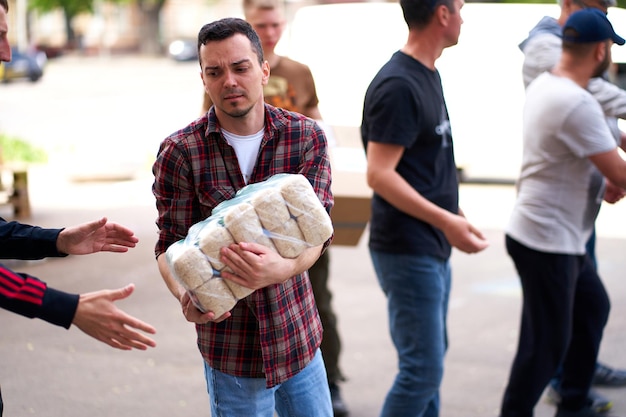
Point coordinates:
[(415, 218)]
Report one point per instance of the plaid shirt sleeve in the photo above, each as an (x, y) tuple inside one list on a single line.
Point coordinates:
[(174, 189)]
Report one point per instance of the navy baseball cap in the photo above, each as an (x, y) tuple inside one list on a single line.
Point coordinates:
[(589, 25)]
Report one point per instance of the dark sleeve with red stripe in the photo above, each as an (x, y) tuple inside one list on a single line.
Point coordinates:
[(26, 295)]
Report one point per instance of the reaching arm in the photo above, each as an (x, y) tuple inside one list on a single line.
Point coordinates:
[(23, 241), (96, 236), (98, 317), (93, 313), (612, 166)]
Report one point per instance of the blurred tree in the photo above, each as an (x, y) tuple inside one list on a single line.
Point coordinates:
[(71, 9), (149, 31)]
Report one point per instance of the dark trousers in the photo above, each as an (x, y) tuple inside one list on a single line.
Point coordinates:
[(565, 308), (1, 404), (591, 251), (331, 343)]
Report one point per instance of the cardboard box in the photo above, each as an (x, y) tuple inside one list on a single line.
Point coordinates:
[(352, 208)]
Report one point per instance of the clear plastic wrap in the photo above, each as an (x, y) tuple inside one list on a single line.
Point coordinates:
[(282, 213)]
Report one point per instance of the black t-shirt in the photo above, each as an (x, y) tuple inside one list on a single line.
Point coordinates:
[(404, 105)]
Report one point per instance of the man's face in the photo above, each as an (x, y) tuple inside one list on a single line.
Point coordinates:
[(232, 75), (606, 62), (269, 24), (5, 48), (454, 28)]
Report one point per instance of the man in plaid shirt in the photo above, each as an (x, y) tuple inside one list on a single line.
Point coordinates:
[(264, 354)]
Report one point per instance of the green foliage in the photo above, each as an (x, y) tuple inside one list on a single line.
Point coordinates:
[(70, 7), (17, 150)]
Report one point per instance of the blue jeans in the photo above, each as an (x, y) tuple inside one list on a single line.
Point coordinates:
[(306, 394), (417, 290)]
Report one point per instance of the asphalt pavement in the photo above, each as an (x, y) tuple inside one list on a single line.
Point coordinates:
[(51, 372)]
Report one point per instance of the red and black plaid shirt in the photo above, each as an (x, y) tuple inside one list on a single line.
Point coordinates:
[(274, 332)]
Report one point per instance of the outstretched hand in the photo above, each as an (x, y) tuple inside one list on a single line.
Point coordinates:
[(98, 317), (96, 236)]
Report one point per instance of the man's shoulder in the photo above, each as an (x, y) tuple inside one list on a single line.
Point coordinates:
[(292, 63), (282, 119), (290, 66), (547, 30), (284, 116), (547, 24), (557, 94), (194, 130)]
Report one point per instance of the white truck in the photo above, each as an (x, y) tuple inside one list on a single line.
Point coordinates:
[(346, 44)]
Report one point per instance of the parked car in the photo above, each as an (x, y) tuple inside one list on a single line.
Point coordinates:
[(183, 50), (27, 64)]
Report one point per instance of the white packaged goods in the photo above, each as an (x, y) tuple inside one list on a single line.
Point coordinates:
[(282, 213)]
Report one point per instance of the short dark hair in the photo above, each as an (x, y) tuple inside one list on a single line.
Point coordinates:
[(224, 29), (5, 4), (576, 48), (417, 13)]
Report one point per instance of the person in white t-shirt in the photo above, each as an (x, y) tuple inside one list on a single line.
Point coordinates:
[(568, 149)]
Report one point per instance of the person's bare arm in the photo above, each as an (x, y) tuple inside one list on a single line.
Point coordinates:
[(612, 166), (613, 193), (98, 317), (383, 178)]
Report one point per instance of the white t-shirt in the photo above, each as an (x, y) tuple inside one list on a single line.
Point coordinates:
[(246, 149), (559, 189)]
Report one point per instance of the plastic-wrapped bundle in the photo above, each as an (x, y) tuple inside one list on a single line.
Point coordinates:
[(282, 213), (212, 237), (214, 295), (189, 264), (306, 208), (244, 225)]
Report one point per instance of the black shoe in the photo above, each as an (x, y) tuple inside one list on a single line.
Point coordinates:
[(599, 403), (340, 409), (585, 412), (609, 377)]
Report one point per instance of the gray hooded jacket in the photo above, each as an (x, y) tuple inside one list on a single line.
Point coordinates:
[(542, 51)]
